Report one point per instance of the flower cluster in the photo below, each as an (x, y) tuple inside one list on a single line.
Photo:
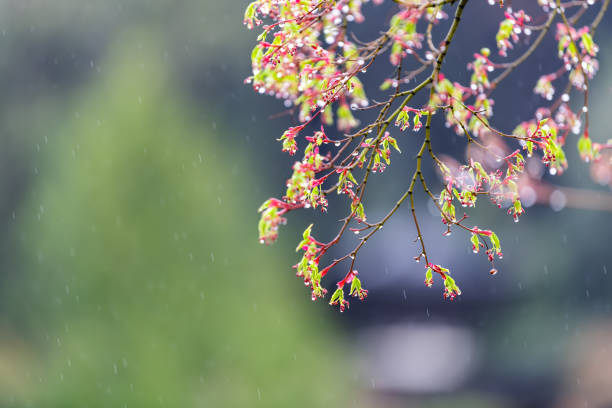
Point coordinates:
[(308, 267), (451, 290), (544, 135), (481, 66), (406, 39), (510, 28), (577, 51), (271, 217), (303, 187), (544, 86), (356, 290), (403, 118)]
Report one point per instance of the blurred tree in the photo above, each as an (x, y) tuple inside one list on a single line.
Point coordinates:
[(140, 286)]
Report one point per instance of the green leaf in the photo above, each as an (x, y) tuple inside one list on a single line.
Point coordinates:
[(355, 286), (393, 143), (306, 233), (475, 243), (338, 295), (495, 241), (517, 206)]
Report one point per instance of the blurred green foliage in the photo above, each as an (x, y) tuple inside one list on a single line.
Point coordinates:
[(140, 286)]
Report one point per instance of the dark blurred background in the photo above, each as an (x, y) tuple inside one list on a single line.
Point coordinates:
[(133, 160)]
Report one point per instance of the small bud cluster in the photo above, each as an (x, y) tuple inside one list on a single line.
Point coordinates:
[(577, 51), (510, 28), (403, 119), (303, 188), (406, 39), (271, 217), (544, 86), (356, 291), (544, 135), (451, 290), (308, 267)]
